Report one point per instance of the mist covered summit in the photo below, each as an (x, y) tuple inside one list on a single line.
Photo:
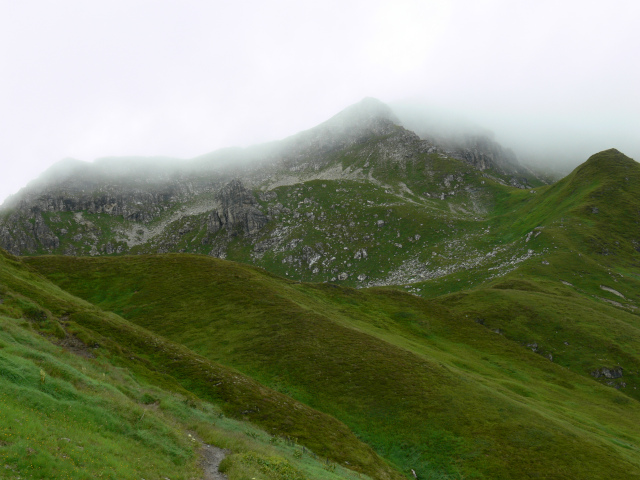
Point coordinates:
[(529, 291), (358, 199)]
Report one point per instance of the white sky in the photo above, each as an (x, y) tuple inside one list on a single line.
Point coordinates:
[(86, 79)]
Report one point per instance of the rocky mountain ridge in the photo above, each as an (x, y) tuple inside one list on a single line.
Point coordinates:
[(519, 361), (356, 188)]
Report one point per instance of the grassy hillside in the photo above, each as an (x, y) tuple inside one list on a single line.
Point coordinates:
[(520, 361), (423, 382), (583, 231), (586, 229), (86, 395)]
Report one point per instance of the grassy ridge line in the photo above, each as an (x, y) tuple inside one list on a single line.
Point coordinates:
[(602, 194), (588, 224), (428, 389), (177, 368), (81, 416), (582, 230)]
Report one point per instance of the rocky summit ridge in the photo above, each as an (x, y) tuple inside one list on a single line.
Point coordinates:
[(334, 202)]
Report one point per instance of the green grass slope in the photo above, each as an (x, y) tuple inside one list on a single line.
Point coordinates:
[(586, 229), (578, 333), (601, 196), (586, 223), (422, 382), (84, 394)]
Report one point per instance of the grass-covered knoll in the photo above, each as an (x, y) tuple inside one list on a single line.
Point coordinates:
[(598, 200), (423, 382), (583, 230), (86, 395)]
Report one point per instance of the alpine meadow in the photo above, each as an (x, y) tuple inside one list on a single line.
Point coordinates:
[(356, 301)]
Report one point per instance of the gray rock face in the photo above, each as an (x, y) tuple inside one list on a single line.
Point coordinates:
[(237, 213), (615, 372), (115, 206), (25, 230), (27, 233), (483, 153), (43, 233)]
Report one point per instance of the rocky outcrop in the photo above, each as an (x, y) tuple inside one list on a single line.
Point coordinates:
[(43, 233), (238, 212), (19, 234), (137, 205), (133, 204), (484, 153), (37, 223), (16, 235), (610, 376), (615, 372)]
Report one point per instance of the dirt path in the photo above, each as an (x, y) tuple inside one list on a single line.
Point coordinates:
[(211, 458)]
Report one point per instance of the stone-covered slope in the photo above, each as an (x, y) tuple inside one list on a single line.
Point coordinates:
[(354, 199)]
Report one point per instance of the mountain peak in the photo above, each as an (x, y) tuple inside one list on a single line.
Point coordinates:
[(366, 111), (367, 118), (611, 157), (605, 163)]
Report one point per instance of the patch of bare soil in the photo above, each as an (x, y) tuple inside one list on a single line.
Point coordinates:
[(74, 345), (211, 458)]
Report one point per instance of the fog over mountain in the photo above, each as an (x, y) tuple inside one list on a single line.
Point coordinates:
[(546, 143), (554, 82), (320, 240)]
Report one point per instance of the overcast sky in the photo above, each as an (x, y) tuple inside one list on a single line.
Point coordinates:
[(86, 79)]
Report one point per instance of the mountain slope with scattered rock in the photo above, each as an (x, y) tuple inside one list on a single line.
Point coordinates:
[(351, 200), (494, 331)]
